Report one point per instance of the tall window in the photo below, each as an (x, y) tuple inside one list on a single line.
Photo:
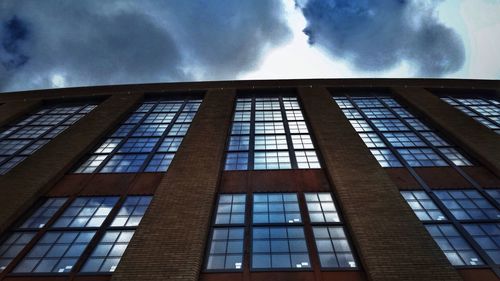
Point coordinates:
[(146, 141), (484, 110), (278, 238), (464, 224), (269, 133), (278, 233), (21, 139), (55, 236), (394, 135), (329, 234), (227, 236)]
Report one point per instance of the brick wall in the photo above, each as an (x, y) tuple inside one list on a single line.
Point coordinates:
[(391, 241), (29, 180), (170, 241), (10, 111)]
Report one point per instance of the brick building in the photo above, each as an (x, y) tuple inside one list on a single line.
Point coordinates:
[(350, 179)]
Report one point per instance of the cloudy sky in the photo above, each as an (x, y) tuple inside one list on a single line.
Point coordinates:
[(67, 43)]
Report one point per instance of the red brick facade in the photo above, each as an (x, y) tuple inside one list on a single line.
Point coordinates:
[(171, 241)]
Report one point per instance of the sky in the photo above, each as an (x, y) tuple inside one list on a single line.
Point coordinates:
[(64, 43)]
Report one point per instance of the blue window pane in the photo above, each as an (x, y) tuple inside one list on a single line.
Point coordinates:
[(487, 235), (275, 247), (226, 249), (132, 211), (86, 212), (44, 213), (423, 206), (454, 246), (56, 252), (276, 208), (467, 205), (333, 248), (230, 209), (156, 126), (108, 252)]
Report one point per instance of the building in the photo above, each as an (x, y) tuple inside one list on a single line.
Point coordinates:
[(350, 179)]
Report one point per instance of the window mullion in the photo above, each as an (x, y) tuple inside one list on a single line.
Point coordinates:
[(251, 142), (379, 133), (461, 230), (443, 156), (123, 140), (97, 236), (154, 150), (291, 152)]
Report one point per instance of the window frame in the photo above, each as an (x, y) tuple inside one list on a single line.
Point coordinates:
[(458, 224), (457, 101), (247, 102), (306, 225), (347, 101), (40, 232), (54, 127), (143, 112)]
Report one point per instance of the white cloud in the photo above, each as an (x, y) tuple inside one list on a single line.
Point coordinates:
[(482, 21)]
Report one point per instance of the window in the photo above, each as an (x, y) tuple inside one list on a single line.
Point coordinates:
[(56, 251), (278, 246), (468, 205), (484, 110), (22, 138), (59, 245), (227, 235), (454, 246), (276, 208), (487, 235), (146, 141), (494, 193), (107, 254), (396, 137), (278, 239), (423, 206), (12, 246), (329, 235), (321, 208), (269, 133), (86, 212), (333, 248), (470, 233)]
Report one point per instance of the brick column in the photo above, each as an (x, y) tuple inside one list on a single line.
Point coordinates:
[(481, 142), (170, 241), (29, 180), (12, 110), (390, 240)]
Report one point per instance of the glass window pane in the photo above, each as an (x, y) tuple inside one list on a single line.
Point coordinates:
[(279, 248), (146, 141), (60, 252), (86, 212), (108, 252), (453, 245), (423, 206), (333, 248)]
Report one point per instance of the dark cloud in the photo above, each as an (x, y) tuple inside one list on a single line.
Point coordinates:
[(55, 43), (226, 37), (13, 33), (378, 35)]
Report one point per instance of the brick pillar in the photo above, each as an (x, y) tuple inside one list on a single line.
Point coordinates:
[(12, 110), (169, 243), (30, 179), (481, 142), (390, 240)]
